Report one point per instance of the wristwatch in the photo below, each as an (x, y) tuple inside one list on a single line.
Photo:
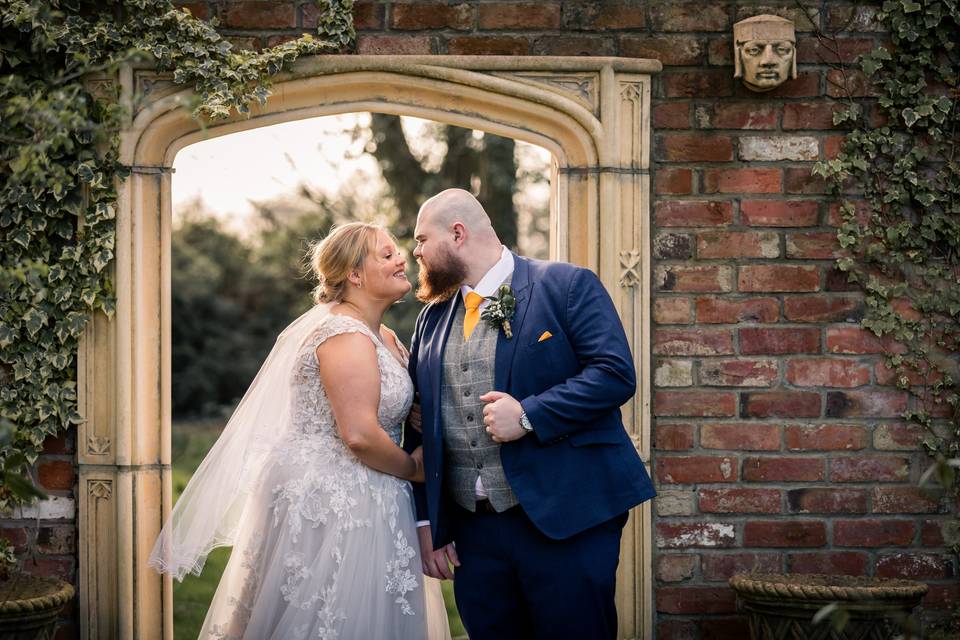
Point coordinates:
[(525, 422)]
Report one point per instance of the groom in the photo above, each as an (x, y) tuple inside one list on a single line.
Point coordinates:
[(529, 471)]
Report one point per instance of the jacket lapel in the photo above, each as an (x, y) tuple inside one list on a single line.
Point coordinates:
[(507, 348), (434, 360)]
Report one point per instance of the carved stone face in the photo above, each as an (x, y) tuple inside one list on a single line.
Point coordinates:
[(766, 64)]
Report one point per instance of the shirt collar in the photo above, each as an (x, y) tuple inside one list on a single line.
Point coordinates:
[(493, 278)]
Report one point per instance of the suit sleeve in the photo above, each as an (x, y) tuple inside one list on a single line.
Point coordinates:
[(607, 378), (411, 437)]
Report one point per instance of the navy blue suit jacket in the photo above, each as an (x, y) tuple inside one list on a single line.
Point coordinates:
[(579, 467)]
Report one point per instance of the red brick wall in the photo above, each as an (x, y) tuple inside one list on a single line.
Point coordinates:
[(777, 440)]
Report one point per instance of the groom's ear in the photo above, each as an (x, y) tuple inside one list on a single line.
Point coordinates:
[(459, 232)]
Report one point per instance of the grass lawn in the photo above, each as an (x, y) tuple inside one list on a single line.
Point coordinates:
[(191, 441)]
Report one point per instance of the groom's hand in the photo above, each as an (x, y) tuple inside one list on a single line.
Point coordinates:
[(436, 564), (502, 416)]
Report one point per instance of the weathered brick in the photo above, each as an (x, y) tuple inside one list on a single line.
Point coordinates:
[(716, 404), (672, 310), (797, 180), (897, 436), (669, 50), (689, 16), (820, 308), (905, 500), (198, 10), (827, 372), (782, 469), (740, 500), (519, 16), (873, 533), (686, 535), (683, 147), (847, 563), (693, 213), (675, 502), (784, 533), (813, 245), (723, 310), (809, 115), (669, 628), (725, 566), (738, 244), (943, 596), (874, 468), (779, 341), (604, 16), (720, 50), (488, 45), (740, 436), (700, 279), (779, 404), (673, 246), (62, 443), (805, 85), (767, 180), (736, 115), (832, 51), (259, 15), (16, 536), (837, 280), (57, 540), (866, 404), (696, 84), (673, 373), (696, 469), (827, 500), (778, 148), (366, 15), (720, 627), (739, 373), (696, 600), (825, 437), (833, 146), (848, 83), (858, 17), (673, 437), (888, 377), (671, 115), (915, 566), (936, 533), (394, 45), (693, 342), (778, 278), (573, 46), (419, 16), (780, 213), (673, 181), (673, 567), (51, 567), (56, 475)]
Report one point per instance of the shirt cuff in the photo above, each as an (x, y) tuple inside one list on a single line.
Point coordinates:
[(423, 523)]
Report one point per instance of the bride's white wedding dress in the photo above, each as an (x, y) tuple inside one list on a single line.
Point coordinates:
[(329, 549)]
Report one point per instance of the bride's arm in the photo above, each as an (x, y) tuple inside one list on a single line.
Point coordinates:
[(351, 377)]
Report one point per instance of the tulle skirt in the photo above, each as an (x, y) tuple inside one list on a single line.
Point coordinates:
[(328, 549)]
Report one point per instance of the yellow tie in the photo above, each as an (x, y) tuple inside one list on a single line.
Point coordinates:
[(472, 316)]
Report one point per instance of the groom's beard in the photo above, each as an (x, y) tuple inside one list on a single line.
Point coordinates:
[(441, 281)]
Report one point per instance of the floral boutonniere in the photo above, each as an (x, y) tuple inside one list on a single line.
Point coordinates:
[(500, 310)]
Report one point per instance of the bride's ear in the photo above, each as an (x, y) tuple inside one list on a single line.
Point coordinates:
[(355, 280)]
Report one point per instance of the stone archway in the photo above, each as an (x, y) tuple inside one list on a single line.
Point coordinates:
[(592, 114)]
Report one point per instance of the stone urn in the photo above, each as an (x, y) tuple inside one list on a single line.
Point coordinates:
[(782, 606), (29, 606)]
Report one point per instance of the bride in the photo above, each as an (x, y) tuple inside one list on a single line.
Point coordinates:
[(308, 482)]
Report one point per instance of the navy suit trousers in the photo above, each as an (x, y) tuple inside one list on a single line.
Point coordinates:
[(516, 583)]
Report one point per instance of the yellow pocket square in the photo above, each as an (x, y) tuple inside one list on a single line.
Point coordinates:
[(546, 335)]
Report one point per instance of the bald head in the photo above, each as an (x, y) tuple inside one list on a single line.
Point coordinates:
[(453, 229), (451, 206)]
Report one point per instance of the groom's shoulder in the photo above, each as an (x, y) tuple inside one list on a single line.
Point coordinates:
[(554, 271)]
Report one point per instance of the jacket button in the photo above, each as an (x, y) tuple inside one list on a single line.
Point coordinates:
[(464, 366), (466, 393), (479, 465), (470, 418), (473, 443)]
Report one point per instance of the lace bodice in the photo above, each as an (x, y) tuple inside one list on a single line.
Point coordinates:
[(311, 409)]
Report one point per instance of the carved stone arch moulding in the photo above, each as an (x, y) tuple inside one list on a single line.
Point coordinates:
[(592, 114)]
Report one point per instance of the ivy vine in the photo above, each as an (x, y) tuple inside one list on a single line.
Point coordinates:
[(58, 173), (899, 174)]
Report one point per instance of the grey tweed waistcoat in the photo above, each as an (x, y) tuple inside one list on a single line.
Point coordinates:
[(469, 451)]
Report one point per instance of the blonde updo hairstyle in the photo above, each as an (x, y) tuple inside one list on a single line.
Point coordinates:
[(338, 255)]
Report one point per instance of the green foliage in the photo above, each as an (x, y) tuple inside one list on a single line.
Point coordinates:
[(58, 152), (902, 240)]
